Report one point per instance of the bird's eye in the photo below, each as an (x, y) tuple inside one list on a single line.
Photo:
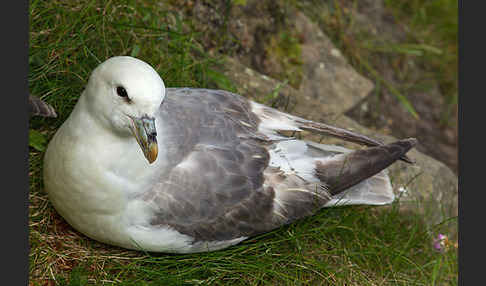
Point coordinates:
[(122, 92)]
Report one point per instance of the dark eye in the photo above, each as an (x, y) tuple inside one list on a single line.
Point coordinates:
[(122, 92)]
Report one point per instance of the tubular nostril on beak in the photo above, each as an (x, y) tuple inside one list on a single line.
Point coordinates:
[(149, 127), (152, 135)]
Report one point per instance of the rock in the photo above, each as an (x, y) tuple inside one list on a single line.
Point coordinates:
[(370, 35), (277, 40), (328, 78), (254, 85)]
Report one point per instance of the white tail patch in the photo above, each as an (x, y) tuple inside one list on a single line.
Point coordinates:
[(376, 190)]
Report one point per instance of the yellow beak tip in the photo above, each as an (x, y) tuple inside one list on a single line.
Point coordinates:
[(152, 153)]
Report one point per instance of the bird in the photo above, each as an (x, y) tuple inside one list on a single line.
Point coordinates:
[(187, 170), (37, 107)]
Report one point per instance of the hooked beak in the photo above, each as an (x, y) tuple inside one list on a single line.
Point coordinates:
[(146, 135)]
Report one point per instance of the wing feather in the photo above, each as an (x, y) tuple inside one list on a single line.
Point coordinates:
[(214, 189)]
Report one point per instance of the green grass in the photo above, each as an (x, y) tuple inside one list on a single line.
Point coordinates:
[(340, 246)]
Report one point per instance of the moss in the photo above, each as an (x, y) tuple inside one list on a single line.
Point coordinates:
[(285, 51)]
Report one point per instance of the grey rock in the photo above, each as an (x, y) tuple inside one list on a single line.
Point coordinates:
[(256, 30), (328, 78)]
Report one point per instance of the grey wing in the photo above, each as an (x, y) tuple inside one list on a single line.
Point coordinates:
[(214, 190), (37, 107), (227, 180)]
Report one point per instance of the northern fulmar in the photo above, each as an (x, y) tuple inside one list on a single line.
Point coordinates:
[(186, 170)]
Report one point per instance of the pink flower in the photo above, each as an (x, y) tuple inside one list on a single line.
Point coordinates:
[(441, 242)]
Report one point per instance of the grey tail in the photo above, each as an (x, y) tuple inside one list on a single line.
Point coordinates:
[(37, 107), (346, 170)]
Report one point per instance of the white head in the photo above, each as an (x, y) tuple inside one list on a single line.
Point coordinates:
[(123, 94)]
